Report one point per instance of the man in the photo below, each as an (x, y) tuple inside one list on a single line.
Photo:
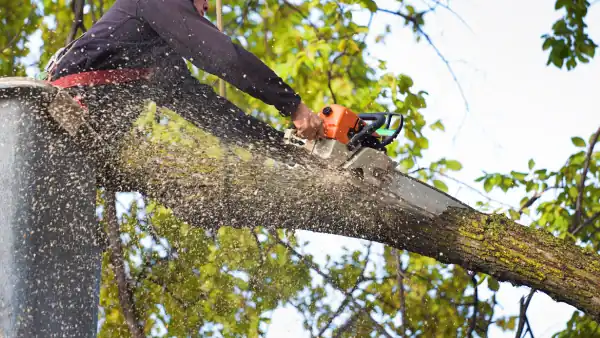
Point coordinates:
[(135, 52)]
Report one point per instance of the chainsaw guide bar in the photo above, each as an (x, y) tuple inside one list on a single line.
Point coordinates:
[(357, 147)]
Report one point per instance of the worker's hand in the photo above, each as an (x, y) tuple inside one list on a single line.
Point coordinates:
[(308, 124)]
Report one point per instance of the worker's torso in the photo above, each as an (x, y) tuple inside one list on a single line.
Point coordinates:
[(120, 39)]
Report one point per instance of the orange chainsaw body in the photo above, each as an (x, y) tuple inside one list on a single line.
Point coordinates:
[(340, 123)]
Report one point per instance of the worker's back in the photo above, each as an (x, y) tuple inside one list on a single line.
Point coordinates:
[(120, 39)]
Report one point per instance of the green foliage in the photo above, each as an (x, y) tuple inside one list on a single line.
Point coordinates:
[(19, 20), (569, 43), (557, 212), (579, 326), (189, 281)]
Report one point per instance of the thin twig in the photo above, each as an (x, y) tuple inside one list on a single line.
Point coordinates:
[(77, 8), (297, 10), (473, 324), (587, 222), (420, 30), (586, 167), (528, 328), (346, 300), (13, 40), (447, 7), (348, 324), (400, 280), (489, 321), (523, 313), (320, 272), (124, 287), (377, 325)]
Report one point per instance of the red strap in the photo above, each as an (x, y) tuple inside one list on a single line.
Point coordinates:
[(100, 77)]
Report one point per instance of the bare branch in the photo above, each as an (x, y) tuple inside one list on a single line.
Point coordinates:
[(489, 321), (473, 324), (400, 280), (77, 8), (528, 328), (447, 7), (123, 285), (523, 313), (586, 167), (417, 27), (587, 222)]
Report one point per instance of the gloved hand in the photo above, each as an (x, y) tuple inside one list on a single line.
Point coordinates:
[(308, 124)]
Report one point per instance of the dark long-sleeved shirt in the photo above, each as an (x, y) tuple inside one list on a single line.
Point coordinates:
[(159, 34)]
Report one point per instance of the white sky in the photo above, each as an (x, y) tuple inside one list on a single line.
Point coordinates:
[(519, 109)]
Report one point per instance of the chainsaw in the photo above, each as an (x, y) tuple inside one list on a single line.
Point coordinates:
[(358, 143)]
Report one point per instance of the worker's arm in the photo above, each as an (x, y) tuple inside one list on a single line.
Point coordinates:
[(197, 40)]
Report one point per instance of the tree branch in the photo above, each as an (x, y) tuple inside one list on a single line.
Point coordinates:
[(176, 175), (523, 313), (117, 259), (350, 295), (279, 185), (400, 281), (348, 324), (473, 324), (77, 8), (419, 29), (586, 167), (379, 327), (12, 40), (587, 222)]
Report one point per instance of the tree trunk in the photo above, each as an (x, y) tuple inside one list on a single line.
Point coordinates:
[(208, 182), (212, 181)]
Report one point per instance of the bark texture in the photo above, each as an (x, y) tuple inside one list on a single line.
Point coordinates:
[(211, 179), (209, 182)]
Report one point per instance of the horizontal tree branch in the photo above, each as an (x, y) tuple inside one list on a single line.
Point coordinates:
[(265, 191), (236, 171)]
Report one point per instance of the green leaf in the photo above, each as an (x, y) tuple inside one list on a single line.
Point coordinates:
[(440, 185), (453, 165), (370, 4), (493, 284), (488, 185), (514, 215), (531, 164), (578, 141), (438, 125), (518, 175)]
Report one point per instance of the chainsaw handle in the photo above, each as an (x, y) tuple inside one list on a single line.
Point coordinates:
[(388, 122), (379, 120)]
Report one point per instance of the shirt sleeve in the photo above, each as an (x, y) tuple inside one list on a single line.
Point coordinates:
[(198, 40)]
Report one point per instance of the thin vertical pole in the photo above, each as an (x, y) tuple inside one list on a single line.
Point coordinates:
[(220, 26)]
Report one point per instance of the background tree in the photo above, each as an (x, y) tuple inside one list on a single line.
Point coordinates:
[(183, 280)]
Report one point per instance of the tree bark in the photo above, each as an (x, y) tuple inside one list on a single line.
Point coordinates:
[(211, 179), (206, 185)]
